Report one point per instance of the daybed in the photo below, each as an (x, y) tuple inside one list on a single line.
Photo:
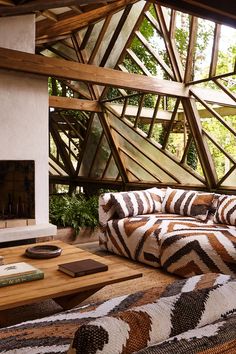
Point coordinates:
[(185, 232), (178, 318)]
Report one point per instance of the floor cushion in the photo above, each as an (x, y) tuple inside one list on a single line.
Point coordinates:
[(54, 334), (138, 237), (218, 337), (196, 251), (134, 329)]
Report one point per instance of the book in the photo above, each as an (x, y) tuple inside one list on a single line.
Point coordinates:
[(82, 267), (17, 279), (14, 269)]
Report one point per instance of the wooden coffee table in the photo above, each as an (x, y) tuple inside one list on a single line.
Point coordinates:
[(63, 289)]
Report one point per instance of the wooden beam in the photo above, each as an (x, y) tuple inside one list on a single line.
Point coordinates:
[(155, 54), (74, 103), (215, 50), (50, 15), (205, 157), (46, 30), (138, 62), (36, 64), (113, 147), (36, 5), (99, 39), (213, 96), (217, 11), (146, 114), (117, 31), (7, 2), (170, 45), (189, 69)]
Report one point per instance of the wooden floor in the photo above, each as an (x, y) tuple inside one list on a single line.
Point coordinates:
[(151, 277)]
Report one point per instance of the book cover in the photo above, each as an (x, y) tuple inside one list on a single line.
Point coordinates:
[(17, 279), (82, 267), (14, 269)]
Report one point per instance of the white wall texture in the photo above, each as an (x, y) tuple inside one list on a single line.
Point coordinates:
[(24, 111)]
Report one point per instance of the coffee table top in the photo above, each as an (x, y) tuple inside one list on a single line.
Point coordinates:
[(56, 284)]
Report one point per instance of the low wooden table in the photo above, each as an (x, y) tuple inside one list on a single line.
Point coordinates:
[(63, 289)]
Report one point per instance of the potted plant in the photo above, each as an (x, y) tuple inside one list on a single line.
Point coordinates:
[(76, 212)]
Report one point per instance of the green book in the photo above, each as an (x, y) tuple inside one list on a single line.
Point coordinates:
[(39, 274)]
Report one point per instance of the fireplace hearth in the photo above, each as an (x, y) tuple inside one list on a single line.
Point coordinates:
[(17, 189)]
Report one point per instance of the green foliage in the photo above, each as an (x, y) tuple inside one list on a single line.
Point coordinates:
[(75, 211), (192, 160)]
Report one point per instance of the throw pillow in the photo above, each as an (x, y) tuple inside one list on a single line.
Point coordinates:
[(132, 330), (137, 202), (191, 203), (226, 210)]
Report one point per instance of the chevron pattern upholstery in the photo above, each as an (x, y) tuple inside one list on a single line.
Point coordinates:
[(226, 210), (172, 314), (187, 252), (138, 237), (183, 242), (54, 334), (189, 203)]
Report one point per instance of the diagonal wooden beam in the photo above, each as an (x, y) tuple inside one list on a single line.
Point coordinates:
[(36, 64), (204, 154), (113, 147), (116, 34), (46, 30)]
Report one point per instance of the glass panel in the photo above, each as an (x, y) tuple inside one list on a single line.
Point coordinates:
[(152, 153), (91, 147), (102, 157)]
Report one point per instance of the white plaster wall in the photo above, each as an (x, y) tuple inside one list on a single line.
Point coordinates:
[(18, 33), (24, 111)]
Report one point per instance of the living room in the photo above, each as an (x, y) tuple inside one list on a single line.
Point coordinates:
[(100, 98)]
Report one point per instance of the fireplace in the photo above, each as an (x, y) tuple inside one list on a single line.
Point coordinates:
[(17, 190)]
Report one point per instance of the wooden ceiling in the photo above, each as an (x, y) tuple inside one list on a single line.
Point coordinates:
[(110, 100), (221, 11)]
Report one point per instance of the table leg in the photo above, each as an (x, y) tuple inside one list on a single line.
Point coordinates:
[(69, 301)]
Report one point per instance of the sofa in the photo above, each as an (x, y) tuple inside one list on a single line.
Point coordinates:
[(181, 317), (185, 232)]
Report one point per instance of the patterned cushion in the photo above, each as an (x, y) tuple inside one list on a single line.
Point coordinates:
[(138, 237), (130, 331), (54, 334), (190, 203), (195, 251), (106, 209), (226, 210), (137, 202), (218, 337)]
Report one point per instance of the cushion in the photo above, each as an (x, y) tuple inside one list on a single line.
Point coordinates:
[(226, 210), (137, 202), (132, 330), (192, 251), (138, 237), (191, 203), (218, 337), (55, 333)]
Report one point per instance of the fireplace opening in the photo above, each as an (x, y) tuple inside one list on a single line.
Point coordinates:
[(17, 196)]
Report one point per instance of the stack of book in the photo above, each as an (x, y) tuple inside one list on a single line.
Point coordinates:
[(15, 273)]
